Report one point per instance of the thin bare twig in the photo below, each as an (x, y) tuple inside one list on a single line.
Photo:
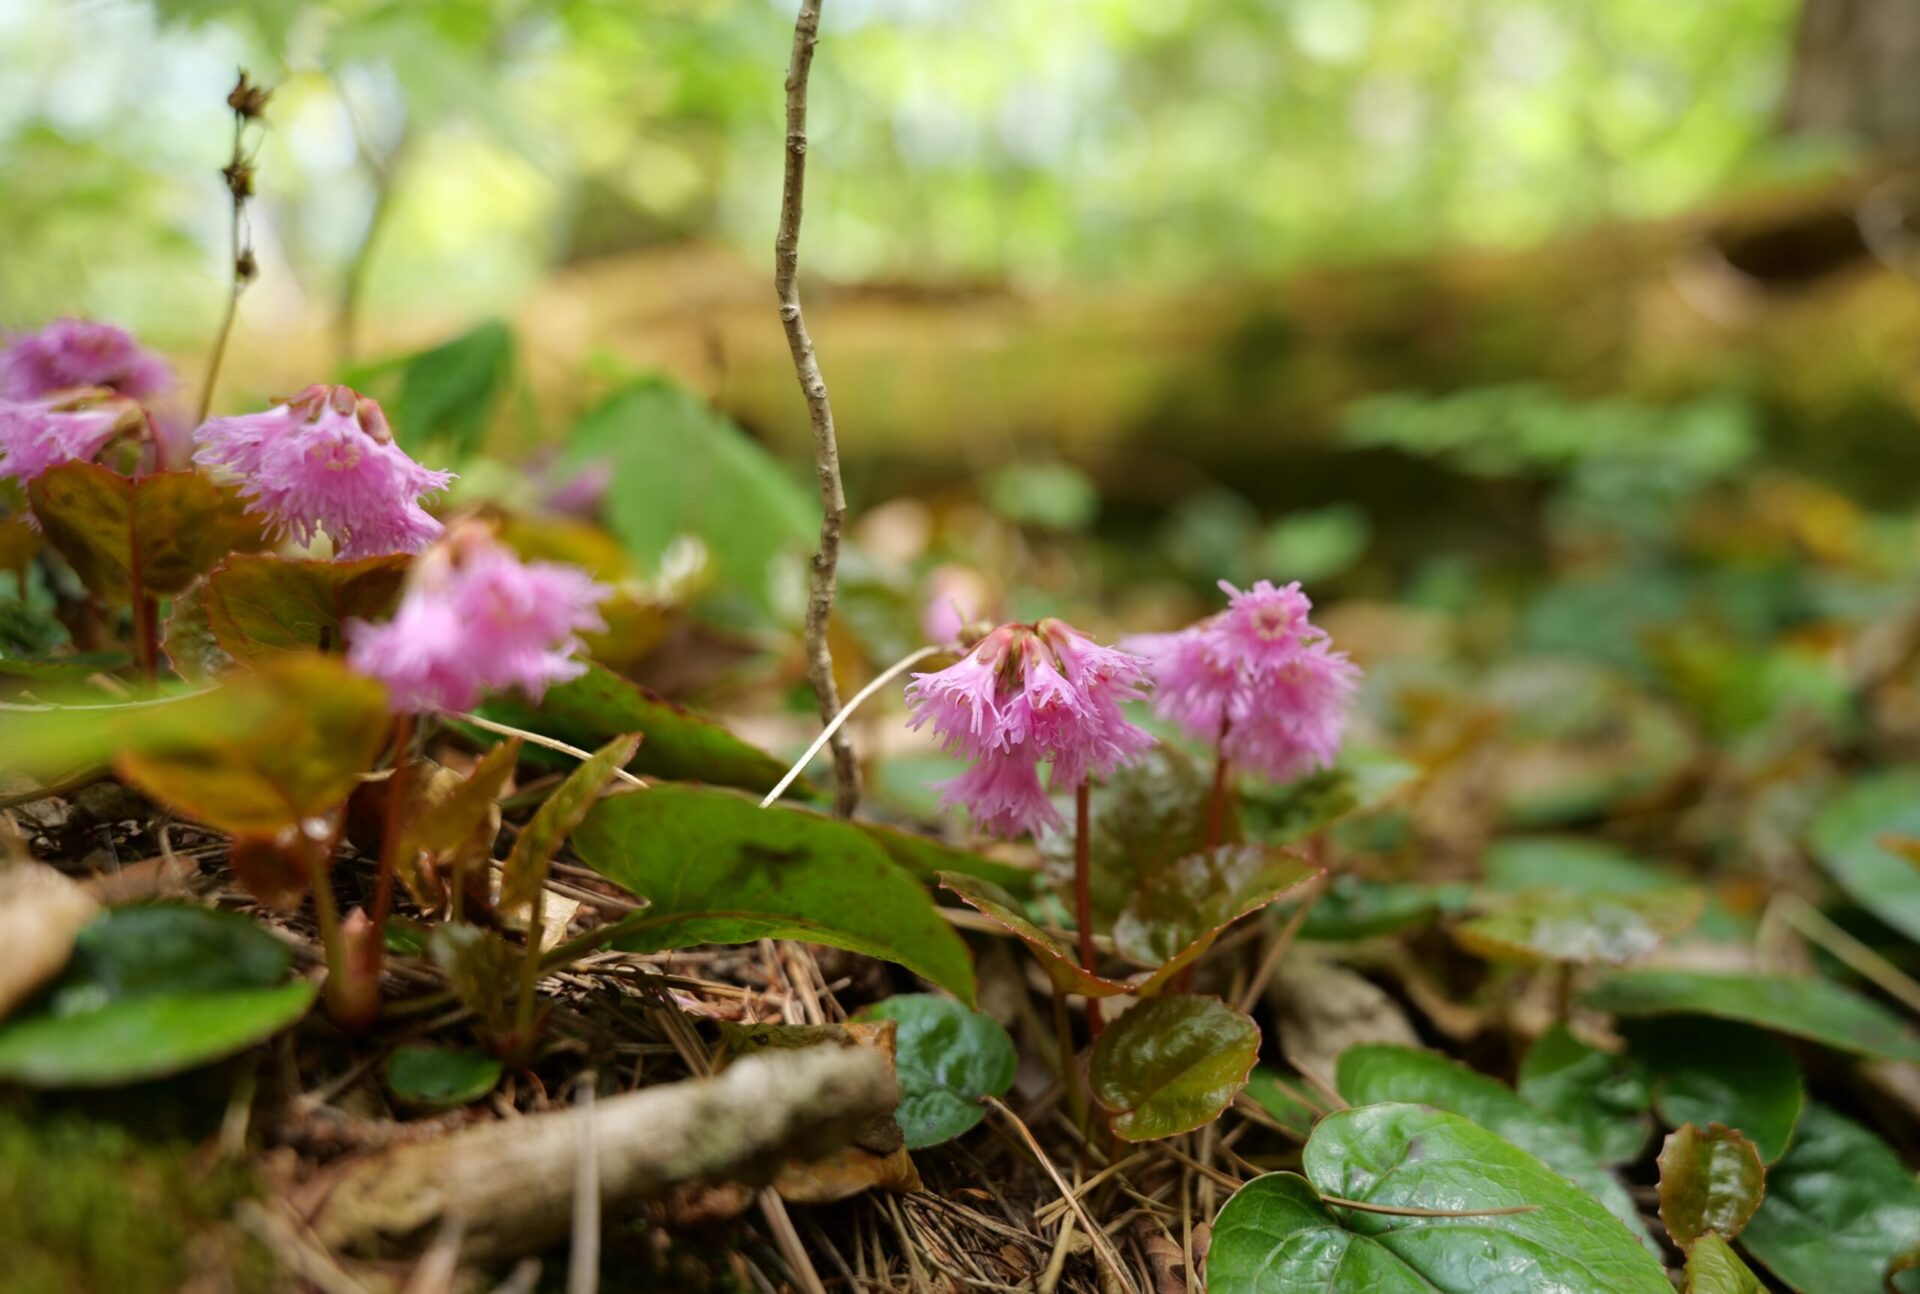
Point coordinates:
[(1102, 1247), (813, 384)]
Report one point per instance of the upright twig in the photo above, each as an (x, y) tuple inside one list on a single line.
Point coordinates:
[(249, 103), (826, 451)]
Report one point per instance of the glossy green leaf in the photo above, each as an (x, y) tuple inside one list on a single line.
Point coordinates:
[(1580, 928), (1711, 1181), (526, 867), (423, 1074), (1707, 1071), (1278, 1236), (679, 745), (1146, 817), (1061, 965), (1846, 837), (1374, 1072), (1171, 1064), (1807, 1007), (169, 528), (1283, 1100), (716, 868), (153, 991), (681, 468), (311, 728), (1840, 1209), (259, 606), (947, 1058), (1713, 1268), (1181, 909), (1601, 1096)]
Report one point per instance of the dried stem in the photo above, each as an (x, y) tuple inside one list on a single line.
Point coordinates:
[(248, 102), (826, 451)]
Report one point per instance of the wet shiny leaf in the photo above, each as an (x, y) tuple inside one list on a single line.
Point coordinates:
[(1711, 1181), (1171, 1064), (1376, 1072), (1715, 1071), (1181, 909), (1278, 1236), (1840, 1209)]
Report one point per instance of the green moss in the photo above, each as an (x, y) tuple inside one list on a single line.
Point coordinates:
[(85, 1207)]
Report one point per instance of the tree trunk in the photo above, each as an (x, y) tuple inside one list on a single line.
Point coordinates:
[(1856, 69)]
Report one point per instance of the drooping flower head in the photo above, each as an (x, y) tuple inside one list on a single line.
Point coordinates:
[(1259, 679), (1023, 695), (71, 353), (38, 434), (326, 460), (476, 618)]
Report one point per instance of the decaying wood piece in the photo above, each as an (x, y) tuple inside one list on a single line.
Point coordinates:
[(511, 1183)]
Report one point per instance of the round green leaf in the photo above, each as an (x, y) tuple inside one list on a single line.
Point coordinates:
[(152, 991), (419, 1074), (1581, 927), (1846, 838), (1713, 1268), (1171, 1065), (1061, 966), (715, 868), (1708, 1071), (1374, 1072), (1807, 1007), (1710, 1182), (1180, 910), (1278, 1236), (947, 1057), (1602, 1097), (1840, 1209)]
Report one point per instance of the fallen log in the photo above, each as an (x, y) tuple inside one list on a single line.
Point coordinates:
[(510, 1184)]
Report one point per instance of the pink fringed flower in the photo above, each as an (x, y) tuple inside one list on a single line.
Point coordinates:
[(1259, 679), (38, 434), (325, 460), (72, 353), (476, 618), (1024, 694)]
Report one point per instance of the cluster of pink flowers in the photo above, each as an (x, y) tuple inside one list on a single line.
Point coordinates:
[(73, 353), (475, 618), (38, 434), (1026, 694), (1258, 678), (326, 460)]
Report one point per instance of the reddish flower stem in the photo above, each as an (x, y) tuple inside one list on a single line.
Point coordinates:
[(146, 630), (1083, 894), (1217, 804)]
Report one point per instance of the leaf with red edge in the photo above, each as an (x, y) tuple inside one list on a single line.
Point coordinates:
[(1710, 1183), (162, 531), (259, 605), (1172, 1064), (1061, 966), (1178, 911)]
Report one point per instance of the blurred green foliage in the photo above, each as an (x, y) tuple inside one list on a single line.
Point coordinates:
[(1135, 140)]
